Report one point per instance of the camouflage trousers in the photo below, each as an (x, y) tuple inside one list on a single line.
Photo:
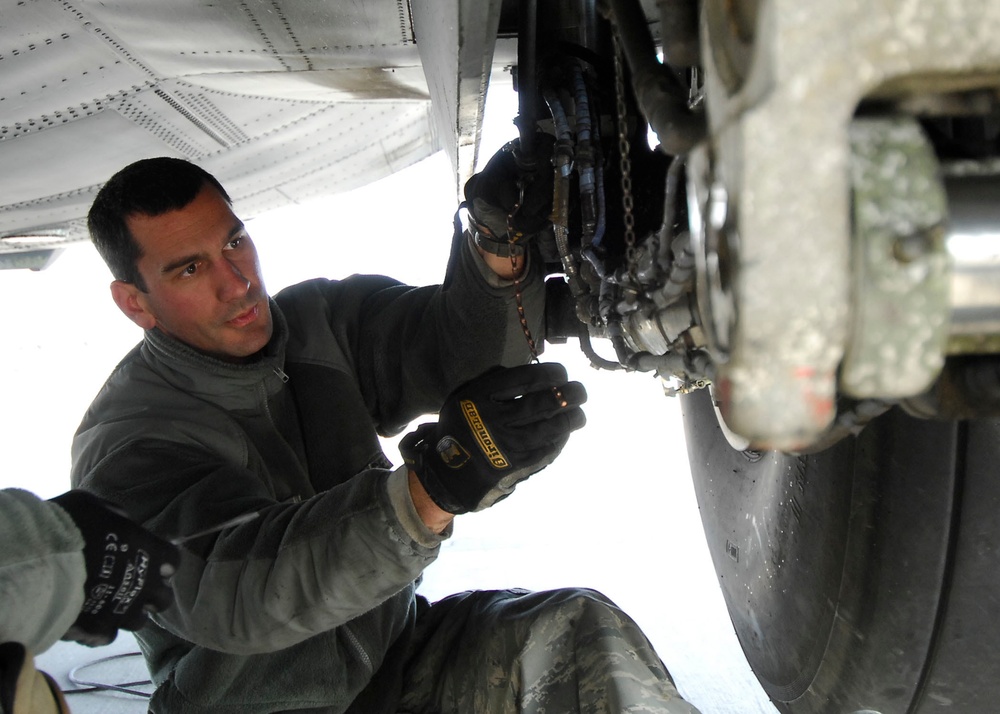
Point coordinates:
[(568, 650)]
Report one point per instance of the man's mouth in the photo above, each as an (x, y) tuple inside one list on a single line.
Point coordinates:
[(245, 318)]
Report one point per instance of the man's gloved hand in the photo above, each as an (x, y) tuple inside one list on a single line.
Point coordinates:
[(128, 569), (511, 194), (494, 432)]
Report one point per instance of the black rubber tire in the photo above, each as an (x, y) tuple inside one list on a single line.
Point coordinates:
[(864, 577)]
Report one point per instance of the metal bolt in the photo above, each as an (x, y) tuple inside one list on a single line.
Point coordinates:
[(917, 246)]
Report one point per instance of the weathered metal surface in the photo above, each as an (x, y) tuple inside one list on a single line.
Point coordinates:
[(456, 44), (284, 101), (779, 145), (900, 262)]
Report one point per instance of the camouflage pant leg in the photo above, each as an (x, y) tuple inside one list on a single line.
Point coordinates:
[(551, 652)]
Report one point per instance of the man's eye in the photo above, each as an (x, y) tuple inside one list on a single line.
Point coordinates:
[(236, 242), (190, 270)]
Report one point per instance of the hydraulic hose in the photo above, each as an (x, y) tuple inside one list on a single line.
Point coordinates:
[(673, 182), (562, 160), (662, 99), (679, 29), (592, 204), (589, 252), (585, 160), (596, 361), (527, 41)]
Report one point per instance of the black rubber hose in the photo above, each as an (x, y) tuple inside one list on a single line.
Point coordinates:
[(679, 29), (596, 361), (527, 83), (662, 98)]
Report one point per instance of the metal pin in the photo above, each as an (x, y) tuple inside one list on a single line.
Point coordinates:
[(237, 521)]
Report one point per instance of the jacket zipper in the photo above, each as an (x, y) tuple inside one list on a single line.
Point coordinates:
[(262, 386), (356, 644)]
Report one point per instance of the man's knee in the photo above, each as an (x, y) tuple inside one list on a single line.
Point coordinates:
[(577, 606)]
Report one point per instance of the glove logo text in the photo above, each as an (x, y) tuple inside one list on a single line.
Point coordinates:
[(489, 447)]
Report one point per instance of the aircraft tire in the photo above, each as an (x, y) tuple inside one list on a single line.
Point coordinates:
[(864, 578)]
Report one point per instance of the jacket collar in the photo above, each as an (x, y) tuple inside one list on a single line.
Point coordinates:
[(233, 386)]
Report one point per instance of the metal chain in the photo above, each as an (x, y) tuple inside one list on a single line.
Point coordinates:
[(624, 149), (512, 237)]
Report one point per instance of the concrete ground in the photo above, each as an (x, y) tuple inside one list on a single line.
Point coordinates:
[(118, 664)]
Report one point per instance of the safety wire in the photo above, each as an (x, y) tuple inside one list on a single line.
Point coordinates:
[(86, 686)]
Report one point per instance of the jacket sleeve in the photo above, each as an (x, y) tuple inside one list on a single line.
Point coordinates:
[(410, 347), (42, 570), (296, 570)]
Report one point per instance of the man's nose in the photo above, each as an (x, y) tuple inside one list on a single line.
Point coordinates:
[(232, 284)]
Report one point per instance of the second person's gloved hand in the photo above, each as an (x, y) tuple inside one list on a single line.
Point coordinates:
[(494, 432), (128, 569)]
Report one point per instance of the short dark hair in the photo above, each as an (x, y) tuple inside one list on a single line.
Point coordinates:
[(150, 187)]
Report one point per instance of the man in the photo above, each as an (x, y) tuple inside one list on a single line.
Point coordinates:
[(73, 567), (236, 403)]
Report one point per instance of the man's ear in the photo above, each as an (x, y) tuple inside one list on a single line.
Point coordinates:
[(130, 301)]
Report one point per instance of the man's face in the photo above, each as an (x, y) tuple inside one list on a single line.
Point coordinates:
[(202, 278)]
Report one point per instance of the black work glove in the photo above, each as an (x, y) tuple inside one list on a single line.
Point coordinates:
[(128, 569), (494, 432), (512, 193)]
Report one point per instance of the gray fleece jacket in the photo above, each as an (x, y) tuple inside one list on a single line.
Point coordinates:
[(300, 608)]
